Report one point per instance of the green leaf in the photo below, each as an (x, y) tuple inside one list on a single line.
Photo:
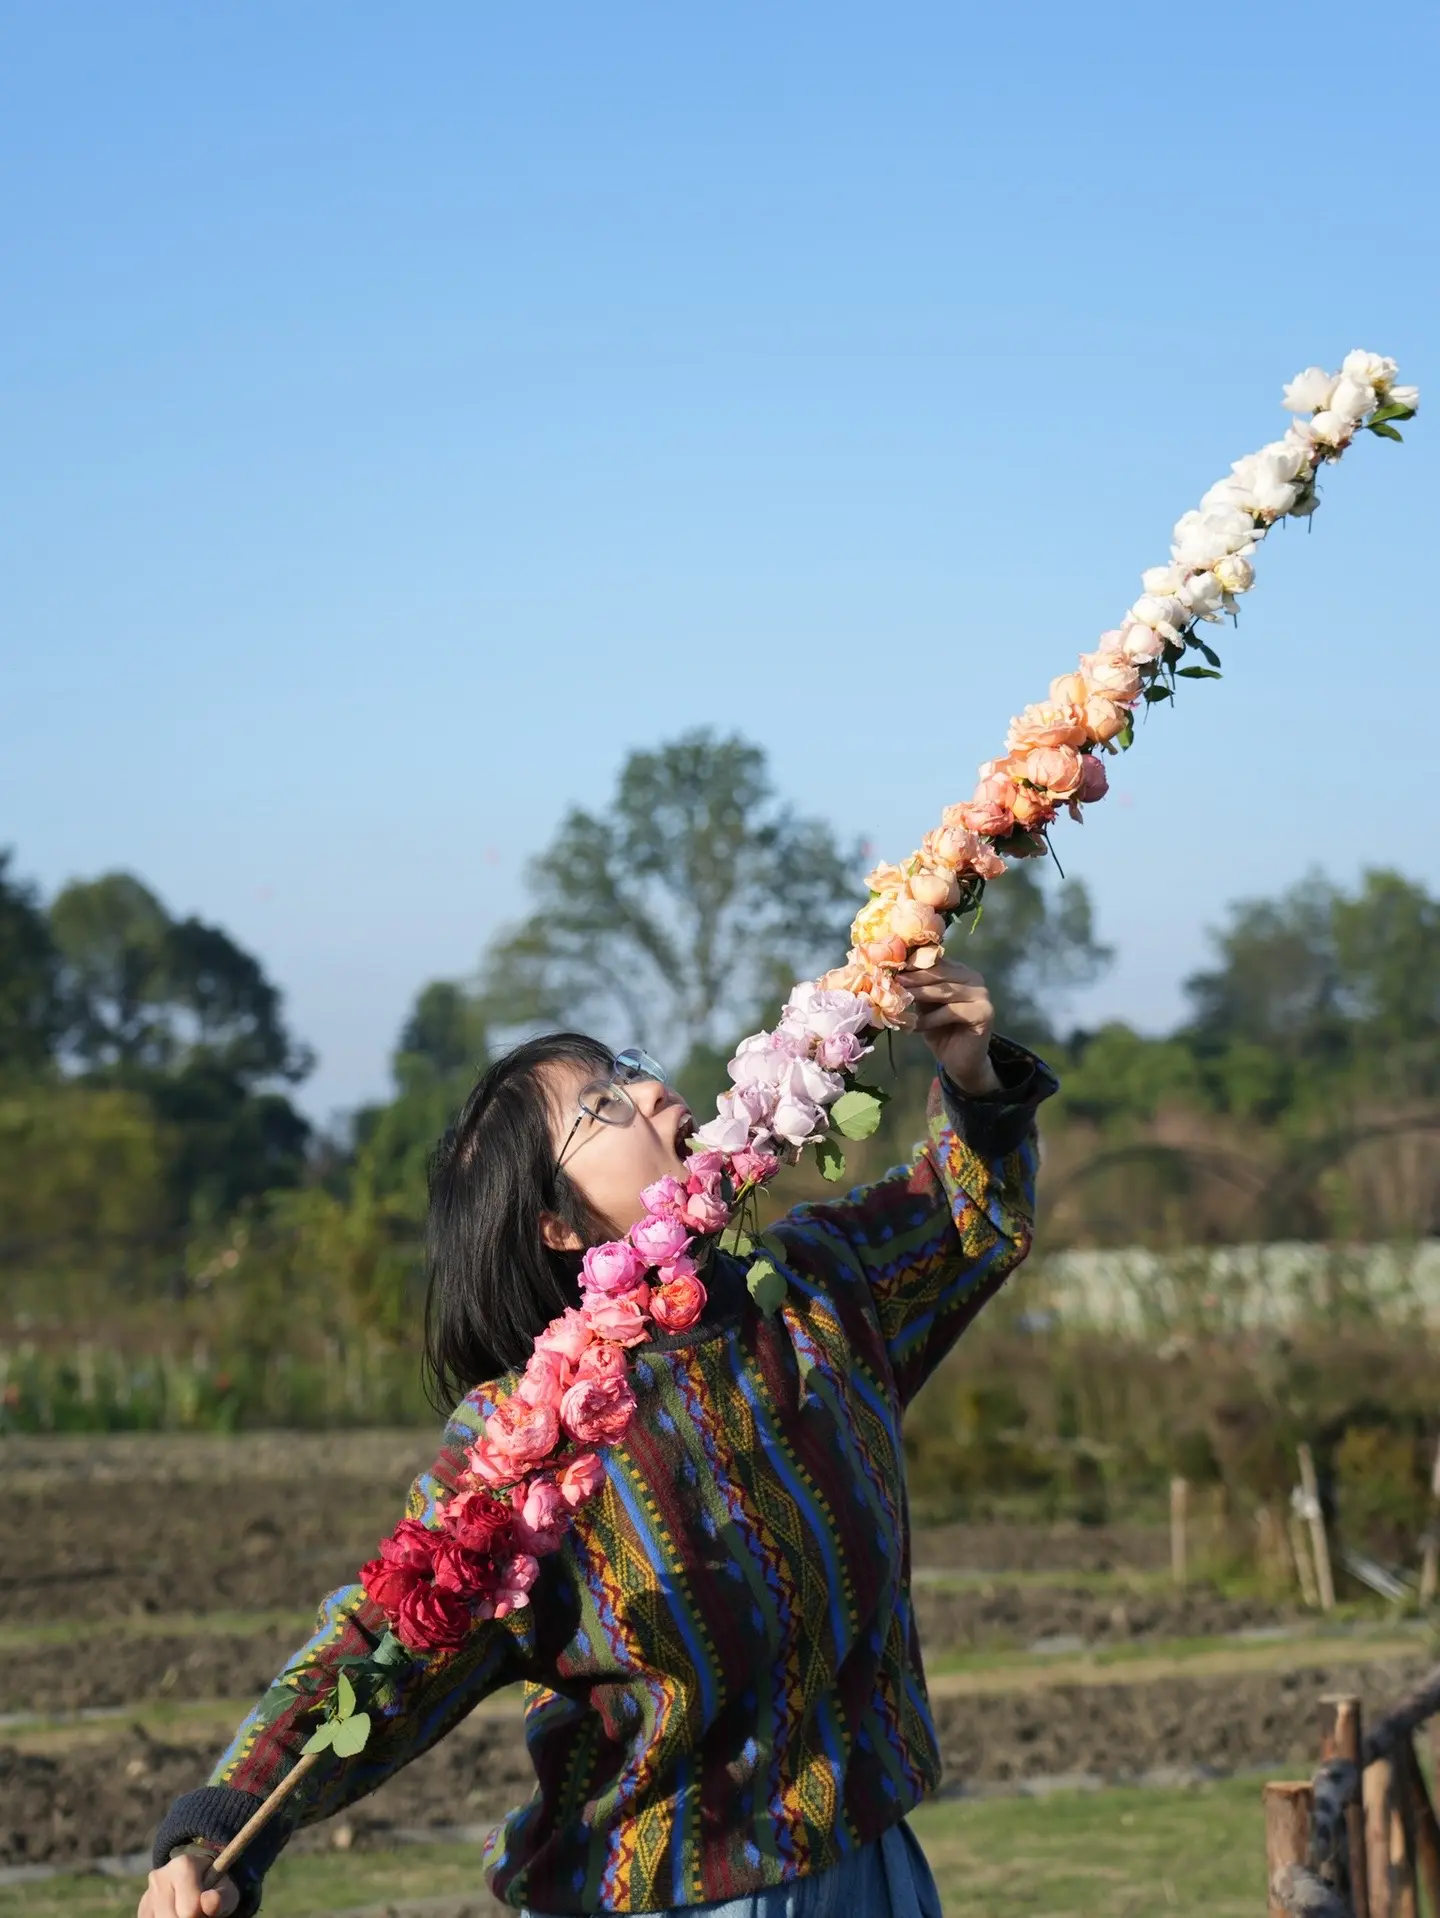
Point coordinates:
[(390, 1652), (875, 1092), (1385, 432), (1155, 693), (855, 1115), (738, 1242), (1390, 411), (323, 1736), (351, 1734), (767, 1286), (1209, 651), (1197, 672), (344, 1697), (1125, 738), (775, 1246), (830, 1159)]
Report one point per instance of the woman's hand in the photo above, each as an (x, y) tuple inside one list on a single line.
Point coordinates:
[(955, 1019), (178, 1890)]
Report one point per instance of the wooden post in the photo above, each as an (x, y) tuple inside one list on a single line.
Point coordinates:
[(1430, 1562), (1389, 1839), (1426, 1831), (1310, 1486), (1179, 1509), (1287, 1834), (1300, 1552), (1342, 1736)]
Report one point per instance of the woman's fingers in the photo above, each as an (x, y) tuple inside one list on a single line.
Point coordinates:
[(178, 1890), (221, 1900)]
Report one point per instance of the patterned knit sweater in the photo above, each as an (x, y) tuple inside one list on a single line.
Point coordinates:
[(723, 1680)]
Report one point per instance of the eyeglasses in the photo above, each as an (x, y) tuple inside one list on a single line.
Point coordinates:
[(607, 1101)]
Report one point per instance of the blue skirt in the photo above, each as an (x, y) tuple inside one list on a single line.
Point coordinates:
[(888, 1878)]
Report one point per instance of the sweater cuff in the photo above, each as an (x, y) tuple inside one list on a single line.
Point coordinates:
[(995, 1124), (211, 1817)]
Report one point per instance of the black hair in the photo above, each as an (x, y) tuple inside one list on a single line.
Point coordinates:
[(494, 1283)]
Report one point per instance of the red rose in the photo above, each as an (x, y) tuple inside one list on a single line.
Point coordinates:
[(411, 1543), (478, 1521), (388, 1584), (430, 1620), (461, 1572)]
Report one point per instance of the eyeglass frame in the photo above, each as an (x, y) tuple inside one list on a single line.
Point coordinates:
[(638, 1068)]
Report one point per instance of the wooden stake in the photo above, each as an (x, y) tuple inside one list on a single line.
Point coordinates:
[(1427, 1832), (1179, 1510), (262, 1817), (1389, 1839), (1342, 1736), (1300, 1552), (1287, 1834), (1310, 1486), (1430, 1562)]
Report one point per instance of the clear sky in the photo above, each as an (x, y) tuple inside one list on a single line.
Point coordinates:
[(404, 411)]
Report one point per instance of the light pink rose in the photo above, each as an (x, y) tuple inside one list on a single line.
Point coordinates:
[(761, 1059), (523, 1434), (1067, 690), (566, 1336), (840, 1051), (656, 1240), (681, 1268), (753, 1104), (544, 1379), (890, 951), (935, 886), (542, 1517), (620, 1319), (988, 863), (581, 1478), (798, 1119), (602, 1360), (754, 1168), (1104, 720), (707, 1167), (516, 1576), (1055, 770), (1139, 642), (610, 1268), (678, 1305), (488, 1464), (885, 878), (704, 1212), (1112, 676), (727, 1132), (916, 924), (598, 1411), (1094, 780), (991, 813), (664, 1199), (820, 1010)]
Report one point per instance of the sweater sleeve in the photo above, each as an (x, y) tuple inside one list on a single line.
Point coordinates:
[(935, 1239), (435, 1691)]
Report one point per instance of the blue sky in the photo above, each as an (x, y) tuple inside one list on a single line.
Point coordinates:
[(405, 412)]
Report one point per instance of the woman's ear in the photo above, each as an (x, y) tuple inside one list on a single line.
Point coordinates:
[(558, 1236)]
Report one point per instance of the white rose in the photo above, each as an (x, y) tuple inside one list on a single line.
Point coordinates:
[(1164, 615), (1140, 643), (1368, 369), (1225, 495), (1332, 429), (1405, 396), (1162, 580), (1201, 538), (1309, 391), (821, 1012), (1235, 575), (1352, 400), (798, 1121), (1289, 458), (1202, 593)]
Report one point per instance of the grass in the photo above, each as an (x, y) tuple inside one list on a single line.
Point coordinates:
[(1111, 1854)]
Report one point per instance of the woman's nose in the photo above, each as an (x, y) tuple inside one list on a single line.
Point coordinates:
[(650, 1096)]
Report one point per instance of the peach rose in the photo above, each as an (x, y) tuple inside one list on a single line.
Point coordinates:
[(522, 1434), (915, 924), (990, 814), (1112, 676), (880, 953), (602, 1360), (926, 958), (885, 878), (1104, 720), (566, 1336), (545, 1378), (1067, 690), (1033, 810), (1055, 770), (581, 1478), (621, 1320), (935, 886), (1046, 725)]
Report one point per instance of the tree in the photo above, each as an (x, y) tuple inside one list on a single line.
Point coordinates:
[(1278, 982), (30, 1011), (678, 915)]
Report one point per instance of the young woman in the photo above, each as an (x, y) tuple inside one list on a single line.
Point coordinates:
[(725, 1702)]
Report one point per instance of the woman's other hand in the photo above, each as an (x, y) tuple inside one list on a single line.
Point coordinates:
[(178, 1890), (955, 1018)]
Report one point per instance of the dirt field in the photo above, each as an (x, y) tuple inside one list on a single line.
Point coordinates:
[(199, 1562)]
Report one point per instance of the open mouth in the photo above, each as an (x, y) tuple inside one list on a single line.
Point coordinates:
[(682, 1137)]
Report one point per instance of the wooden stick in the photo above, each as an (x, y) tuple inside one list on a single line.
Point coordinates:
[(1179, 1506), (1427, 1833), (1300, 1552), (1342, 1737), (262, 1817), (1287, 1834), (1376, 1790), (1430, 1562), (1310, 1486), (1402, 1836)]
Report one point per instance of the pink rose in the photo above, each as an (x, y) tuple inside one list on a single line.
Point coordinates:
[(840, 1051), (611, 1268), (678, 1305), (517, 1575), (1094, 780), (1104, 719), (664, 1199), (582, 1478), (492, 1467), (598, 1411), (542, 1517), (430, 1620), (681, 1268), (657, 1240), (819, 1010), (545, 1377), (1112, 676), (603, 1360), (566, 1336), (621, 1320), (411, 1544), (704, 1212), (752, 1167), (460, 1571), (523, 1434), (991, 812), (707, 1167), (1055, 770)]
